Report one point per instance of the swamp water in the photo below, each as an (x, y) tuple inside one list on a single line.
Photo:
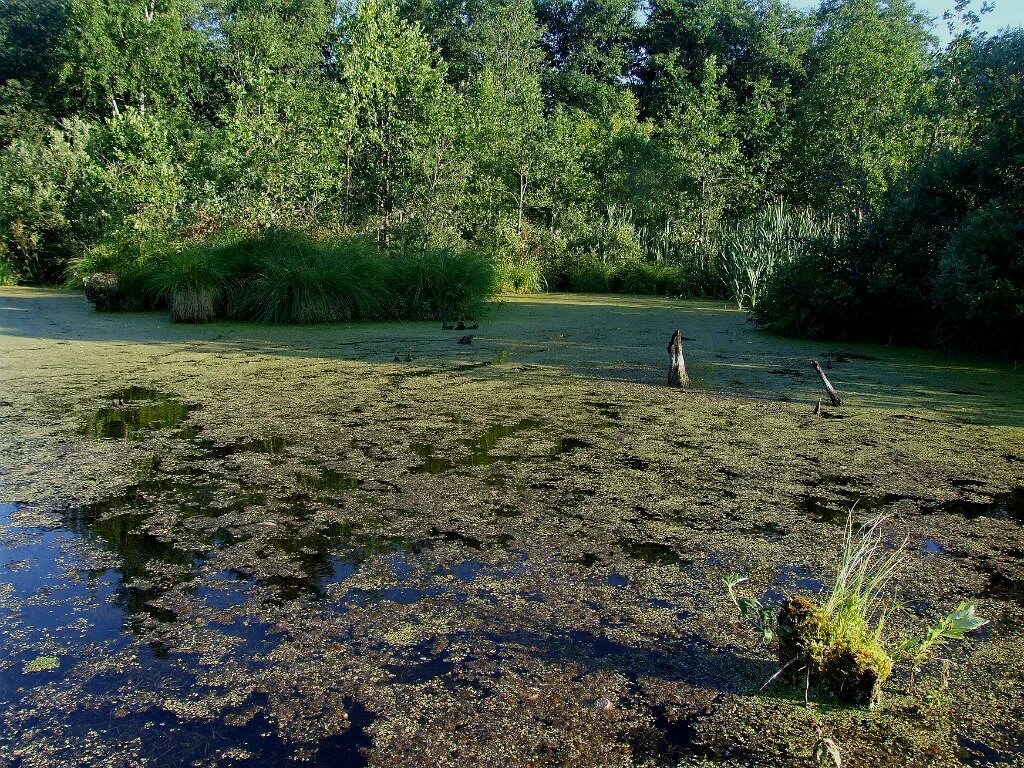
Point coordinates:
[(240, 545)]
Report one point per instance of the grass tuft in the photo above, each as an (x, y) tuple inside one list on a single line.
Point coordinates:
[(289, 277)]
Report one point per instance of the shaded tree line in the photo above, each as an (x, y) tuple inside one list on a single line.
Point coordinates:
[(672, 146)]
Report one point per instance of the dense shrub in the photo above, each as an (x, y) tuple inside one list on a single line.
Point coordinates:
[(39, 178), (979, 292), (810, 295)]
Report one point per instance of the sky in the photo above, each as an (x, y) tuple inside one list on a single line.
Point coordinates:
[(1007, 13)]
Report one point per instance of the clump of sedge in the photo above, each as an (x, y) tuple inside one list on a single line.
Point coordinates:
[(840, 643)]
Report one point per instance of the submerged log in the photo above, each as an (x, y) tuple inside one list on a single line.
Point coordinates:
[(832, 394), (676, 364)]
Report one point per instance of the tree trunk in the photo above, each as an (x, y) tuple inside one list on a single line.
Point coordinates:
[(832, 394), (676, 364)]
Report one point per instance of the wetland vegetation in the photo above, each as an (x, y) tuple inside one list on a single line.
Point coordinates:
[(403, 483), (367, 544)]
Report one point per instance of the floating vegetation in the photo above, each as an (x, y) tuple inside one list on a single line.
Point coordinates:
[(41, 664), (133, 411), (267, 580), (480, 448)]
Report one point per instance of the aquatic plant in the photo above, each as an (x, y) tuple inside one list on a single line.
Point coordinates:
[(291, 277), (917, 649), (841, 641), (132, 261), (750, 249), (40, 664)]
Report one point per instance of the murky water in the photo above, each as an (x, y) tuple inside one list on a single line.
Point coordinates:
[(466, 562)]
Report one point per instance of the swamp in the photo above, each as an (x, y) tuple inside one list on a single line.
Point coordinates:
[(372, 545)]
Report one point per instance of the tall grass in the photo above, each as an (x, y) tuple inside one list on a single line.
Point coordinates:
[(854, 613), (751, 249), (8, 275), (191, 281), (289, 277), (292, 278)]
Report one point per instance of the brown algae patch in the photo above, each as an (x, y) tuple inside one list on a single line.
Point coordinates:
[(277, 574)]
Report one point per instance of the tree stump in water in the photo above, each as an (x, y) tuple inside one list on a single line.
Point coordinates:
[(676, 364), (832, 394), (103, 289)]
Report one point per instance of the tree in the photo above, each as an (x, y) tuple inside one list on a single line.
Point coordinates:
[(861, 117), (591, 48), (403, 111), (120, 54), (508, 133)]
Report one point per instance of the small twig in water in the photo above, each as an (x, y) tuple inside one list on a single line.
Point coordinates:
[(781, 670)]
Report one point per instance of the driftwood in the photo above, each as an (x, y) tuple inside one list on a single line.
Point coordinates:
[(832, 394), (676, 364)]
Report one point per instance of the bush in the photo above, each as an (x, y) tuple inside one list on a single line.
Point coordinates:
[(38, 179), (191, 281), (441, 283), (811, 295), (289, 277), (133, 260), (518, 276), (979, 292), (8, 275)]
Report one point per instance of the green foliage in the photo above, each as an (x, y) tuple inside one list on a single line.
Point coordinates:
[(917, 649), (40, 177), (584, 146), (439, 284), (751, 609), (402, 144), (859, 120), (8, 276), (978, 294), (522, 275), (191, 281), (289, 277), (751, 249), (855, 610)]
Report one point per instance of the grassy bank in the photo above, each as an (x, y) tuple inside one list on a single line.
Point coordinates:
[(287, 277)]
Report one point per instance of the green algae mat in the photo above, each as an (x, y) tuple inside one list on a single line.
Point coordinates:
[(370, 544)]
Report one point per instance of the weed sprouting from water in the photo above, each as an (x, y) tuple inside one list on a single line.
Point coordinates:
[(856, 609), (918, 648), (842, 642)]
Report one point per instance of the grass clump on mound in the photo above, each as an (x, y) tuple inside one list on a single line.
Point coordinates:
[(292, 278), (289, 277), (192, 283), (841, 644)]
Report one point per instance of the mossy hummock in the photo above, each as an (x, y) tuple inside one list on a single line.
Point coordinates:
[(852, 668)]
